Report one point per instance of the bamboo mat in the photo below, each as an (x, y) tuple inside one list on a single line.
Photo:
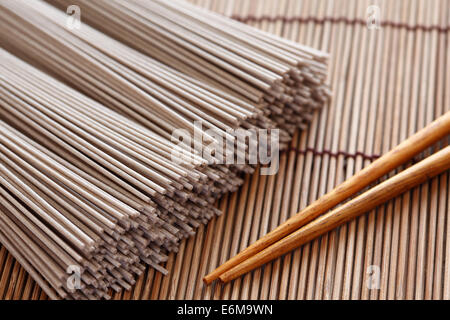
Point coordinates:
[(387, 84)]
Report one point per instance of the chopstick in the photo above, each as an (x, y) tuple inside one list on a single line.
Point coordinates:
[(394, 158), (397, 185)]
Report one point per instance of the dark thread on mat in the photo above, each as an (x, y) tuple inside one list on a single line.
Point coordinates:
[(265, 18), (334, 154)]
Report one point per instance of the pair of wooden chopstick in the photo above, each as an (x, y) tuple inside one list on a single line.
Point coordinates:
[(301, 228)]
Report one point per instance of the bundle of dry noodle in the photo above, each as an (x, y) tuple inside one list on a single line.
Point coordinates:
[(89, 179), (283, 78)]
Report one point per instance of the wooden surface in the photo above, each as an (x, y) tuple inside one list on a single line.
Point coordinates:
[(399, 155), (397, 185), (387, 83)]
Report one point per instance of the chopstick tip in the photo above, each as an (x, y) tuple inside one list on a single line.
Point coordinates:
[(208, 279)]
